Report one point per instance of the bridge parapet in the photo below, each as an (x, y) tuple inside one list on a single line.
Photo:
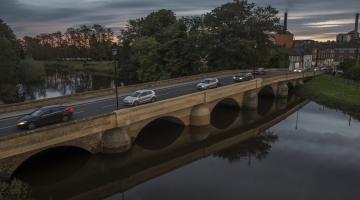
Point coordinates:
[(47, 137)]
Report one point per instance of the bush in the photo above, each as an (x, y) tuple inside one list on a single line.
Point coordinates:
[(14, 190), (30, 73), (353, 73), (9, 93)]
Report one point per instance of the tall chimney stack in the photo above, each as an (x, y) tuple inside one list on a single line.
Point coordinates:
[(285, 21), (357, 22)]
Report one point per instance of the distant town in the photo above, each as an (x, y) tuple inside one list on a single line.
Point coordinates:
[(310, 53)]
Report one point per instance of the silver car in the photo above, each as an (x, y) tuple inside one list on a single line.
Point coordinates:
[(140, 97), (208, 83), (298, 70)]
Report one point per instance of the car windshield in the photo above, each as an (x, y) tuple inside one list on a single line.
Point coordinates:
[(206, 81), (36, 113), (135, 94)]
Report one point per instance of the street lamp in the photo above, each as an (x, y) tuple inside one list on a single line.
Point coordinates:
[(114, 54), (254, 66)]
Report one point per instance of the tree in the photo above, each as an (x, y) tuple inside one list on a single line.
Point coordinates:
[(238, 35), (9, 57), (279, 58)]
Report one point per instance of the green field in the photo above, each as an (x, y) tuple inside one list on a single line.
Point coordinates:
[(334, 92)]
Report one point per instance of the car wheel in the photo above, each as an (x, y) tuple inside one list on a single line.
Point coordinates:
[(153, 99), (136, 103), (65, 118), (31, 126)]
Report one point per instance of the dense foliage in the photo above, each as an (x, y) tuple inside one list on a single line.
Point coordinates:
[(14, 190), (233, 36), (351, 69), (9, 60)]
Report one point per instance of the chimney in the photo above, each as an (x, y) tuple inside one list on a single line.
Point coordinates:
[(285, 21), (357, 22)]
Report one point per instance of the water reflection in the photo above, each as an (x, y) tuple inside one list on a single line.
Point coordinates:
[(59, 83), (258, 147), (105, 175)]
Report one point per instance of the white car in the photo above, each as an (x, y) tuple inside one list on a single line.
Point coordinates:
[(208, 83), (140, 97), (298, 70)]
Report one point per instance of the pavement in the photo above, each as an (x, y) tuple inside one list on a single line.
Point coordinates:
[(99, 106)]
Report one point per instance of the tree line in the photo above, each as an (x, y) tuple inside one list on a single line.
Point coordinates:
[(235, 35), (77, 42)]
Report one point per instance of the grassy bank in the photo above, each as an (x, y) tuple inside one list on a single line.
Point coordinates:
[(333, 92), (106, 67)]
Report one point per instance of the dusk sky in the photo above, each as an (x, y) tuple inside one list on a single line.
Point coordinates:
[(308, 19)]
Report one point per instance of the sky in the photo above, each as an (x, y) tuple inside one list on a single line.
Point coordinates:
[(308, 19)]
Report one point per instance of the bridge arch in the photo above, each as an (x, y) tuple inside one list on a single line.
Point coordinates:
[(267, 91), (224, 113), (160, 133), (50, 161)]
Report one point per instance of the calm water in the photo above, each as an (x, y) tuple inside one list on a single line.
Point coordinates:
[(59, 83), (311, 153)]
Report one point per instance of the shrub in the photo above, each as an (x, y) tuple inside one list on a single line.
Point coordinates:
[(14, 190)]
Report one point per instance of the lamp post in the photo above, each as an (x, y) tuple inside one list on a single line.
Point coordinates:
[(255, 57), (114, 54)]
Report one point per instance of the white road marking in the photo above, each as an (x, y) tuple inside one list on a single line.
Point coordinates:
[(7, 127)]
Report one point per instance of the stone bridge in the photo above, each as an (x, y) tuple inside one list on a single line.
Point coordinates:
[(115, 132)]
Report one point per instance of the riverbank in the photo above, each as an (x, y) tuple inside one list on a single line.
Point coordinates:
[(334, 92)]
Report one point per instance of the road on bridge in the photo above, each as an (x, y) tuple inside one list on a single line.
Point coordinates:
[(91, 109)]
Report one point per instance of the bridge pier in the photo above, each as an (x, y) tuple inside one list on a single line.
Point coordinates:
[(116, 140), (300, 82), (251, 100), (200, 120), (282, 90)]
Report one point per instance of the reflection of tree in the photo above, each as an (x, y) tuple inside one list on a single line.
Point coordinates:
[(65, 83), (259, 147)]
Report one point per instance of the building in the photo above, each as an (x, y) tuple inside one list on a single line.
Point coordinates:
[(351, 36), (300, 58), (323, 53), (347, 51), (284, 38)]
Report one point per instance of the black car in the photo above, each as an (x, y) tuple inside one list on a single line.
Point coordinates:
[(46, 115), (243, 77)]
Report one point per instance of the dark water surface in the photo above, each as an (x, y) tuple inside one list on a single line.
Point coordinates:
[(279, 153)]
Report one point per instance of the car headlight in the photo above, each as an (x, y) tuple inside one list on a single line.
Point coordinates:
[(22, 123)]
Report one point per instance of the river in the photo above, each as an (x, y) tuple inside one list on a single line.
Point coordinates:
[(289, 150), (57, 83)]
